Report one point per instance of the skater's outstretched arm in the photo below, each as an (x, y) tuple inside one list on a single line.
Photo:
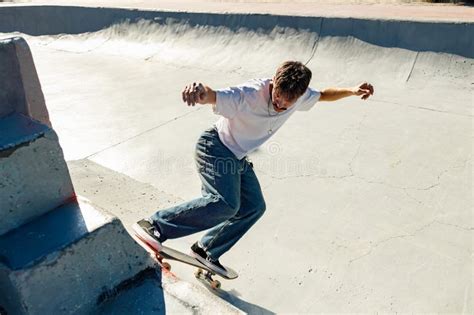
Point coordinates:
[(365, 90), (197, 93)]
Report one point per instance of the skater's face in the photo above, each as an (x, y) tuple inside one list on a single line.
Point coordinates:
[(280, 102)]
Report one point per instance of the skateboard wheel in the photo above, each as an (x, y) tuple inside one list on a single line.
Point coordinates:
[(215, 284), (166, 266), (198, 274)]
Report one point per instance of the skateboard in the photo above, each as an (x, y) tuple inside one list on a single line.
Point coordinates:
[(203, 272)]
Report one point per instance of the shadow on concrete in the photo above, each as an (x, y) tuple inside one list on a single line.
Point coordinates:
[(232, 297), (49, 233), (142, 294), (469, 3), (249, 308)]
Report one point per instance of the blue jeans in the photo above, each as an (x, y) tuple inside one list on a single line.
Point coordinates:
[(230, 204)]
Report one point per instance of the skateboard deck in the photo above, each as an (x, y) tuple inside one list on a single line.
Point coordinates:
[(203, 272), (173, 254)]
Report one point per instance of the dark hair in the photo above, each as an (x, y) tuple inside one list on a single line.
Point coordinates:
[(292, 79)]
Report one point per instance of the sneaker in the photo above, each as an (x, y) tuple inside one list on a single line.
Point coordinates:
[(200, 254), (148, 234)]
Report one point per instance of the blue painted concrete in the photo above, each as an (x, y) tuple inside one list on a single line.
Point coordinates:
[(18, 129), (53, 231)]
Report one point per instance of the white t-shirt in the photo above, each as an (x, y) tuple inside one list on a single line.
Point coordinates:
[(248, 117)]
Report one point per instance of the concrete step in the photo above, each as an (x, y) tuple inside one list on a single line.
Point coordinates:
[(63, 261), (35, 178)]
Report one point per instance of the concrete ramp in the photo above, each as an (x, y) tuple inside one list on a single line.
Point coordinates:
[(369, 203)]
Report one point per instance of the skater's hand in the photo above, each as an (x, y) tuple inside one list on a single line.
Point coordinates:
[(197, 93), (364, 89)]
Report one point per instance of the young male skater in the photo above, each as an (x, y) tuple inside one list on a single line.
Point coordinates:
[(232, 199)]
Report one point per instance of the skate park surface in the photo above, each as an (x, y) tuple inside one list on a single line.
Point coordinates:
[(369, 203)]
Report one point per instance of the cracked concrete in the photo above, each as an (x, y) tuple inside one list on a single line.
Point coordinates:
[(373, 247), (143, 132), (369, 203)]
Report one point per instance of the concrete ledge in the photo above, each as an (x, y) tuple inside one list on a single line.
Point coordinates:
[(29, 156), (130, 200), (20, 89), (69, 258), (151, 293)]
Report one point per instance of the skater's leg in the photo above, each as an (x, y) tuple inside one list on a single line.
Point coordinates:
[(219, 172), (222, 237), (192, 216)]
